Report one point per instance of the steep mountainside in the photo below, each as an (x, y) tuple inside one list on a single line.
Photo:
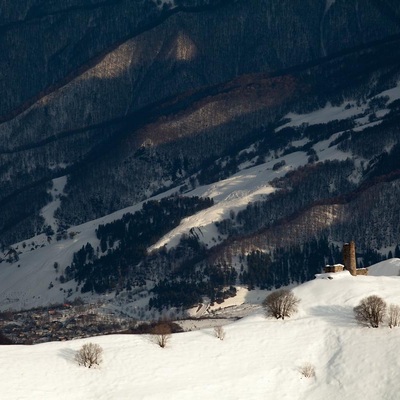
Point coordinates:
[(108, 103), (78, 75)]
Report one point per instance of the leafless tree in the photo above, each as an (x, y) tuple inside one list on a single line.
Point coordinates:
[(161, 334), (219, 332), (371, 311), (89, 354), (307, 370), (394, 316), (281, 303)]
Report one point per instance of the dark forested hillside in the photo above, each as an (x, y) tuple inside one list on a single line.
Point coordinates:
[(78, 78), (124, 100)]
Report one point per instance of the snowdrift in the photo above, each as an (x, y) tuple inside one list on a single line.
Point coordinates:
[(259, 357)]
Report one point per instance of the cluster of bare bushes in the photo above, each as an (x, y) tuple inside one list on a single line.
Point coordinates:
[(307, 370), (373, 311), (281, 303), (89, 355)]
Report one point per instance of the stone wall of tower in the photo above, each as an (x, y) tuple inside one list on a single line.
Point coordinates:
[(349, 257)]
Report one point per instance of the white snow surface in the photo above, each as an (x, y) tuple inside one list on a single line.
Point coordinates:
[(393, 93), (324, 115), (389, 267), (260, 358), (231, 194)]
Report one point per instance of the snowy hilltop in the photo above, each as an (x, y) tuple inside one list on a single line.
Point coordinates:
[(259, 357)]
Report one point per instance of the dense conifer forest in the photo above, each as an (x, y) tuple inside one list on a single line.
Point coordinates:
[(124, 243)]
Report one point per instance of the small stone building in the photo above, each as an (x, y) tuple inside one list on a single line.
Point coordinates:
[(349, 262), (334, 268)]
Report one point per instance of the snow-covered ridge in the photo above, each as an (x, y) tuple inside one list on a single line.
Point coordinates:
[(259, 357)]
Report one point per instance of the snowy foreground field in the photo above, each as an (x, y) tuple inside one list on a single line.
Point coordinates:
[(259, 358)]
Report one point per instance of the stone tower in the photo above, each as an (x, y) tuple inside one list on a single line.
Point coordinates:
[(349, 257)]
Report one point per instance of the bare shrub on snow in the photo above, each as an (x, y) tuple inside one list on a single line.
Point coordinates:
[(161, 334), (89, 354), (219, 332), (371, 311), (307, 370), (281, 303), (394, 316)]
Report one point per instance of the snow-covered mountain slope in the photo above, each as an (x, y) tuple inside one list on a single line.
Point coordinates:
[(389, 267), (251, 184), (25, 282), (259, 358), (297, 145), (31, 279)]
